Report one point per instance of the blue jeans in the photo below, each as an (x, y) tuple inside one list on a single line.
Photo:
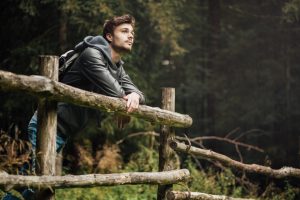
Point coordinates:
[(32, 132)]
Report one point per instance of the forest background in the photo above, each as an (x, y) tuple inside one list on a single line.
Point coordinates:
[(234, 64)]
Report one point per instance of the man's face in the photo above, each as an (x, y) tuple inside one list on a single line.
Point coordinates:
[(122, 38)]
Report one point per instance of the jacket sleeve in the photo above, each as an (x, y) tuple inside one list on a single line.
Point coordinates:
[(128, 85), (95, 70)]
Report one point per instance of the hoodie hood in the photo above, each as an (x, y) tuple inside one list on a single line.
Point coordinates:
[(97, 42)]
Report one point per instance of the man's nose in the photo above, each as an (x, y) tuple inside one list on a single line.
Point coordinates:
[(130, 36)]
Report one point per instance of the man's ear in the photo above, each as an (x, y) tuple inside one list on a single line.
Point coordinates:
[(109, 37)]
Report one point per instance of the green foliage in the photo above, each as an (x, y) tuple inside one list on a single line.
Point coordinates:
[(144, 160), (291, 11), (208, 181), (168, 23), (142, 192), (212, 182), (109, 126), (106, 148), (274, 193)]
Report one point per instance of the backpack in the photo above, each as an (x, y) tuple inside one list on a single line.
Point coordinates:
[(66, 60)]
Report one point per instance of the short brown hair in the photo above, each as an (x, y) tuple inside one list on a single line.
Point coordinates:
[(110, 25)]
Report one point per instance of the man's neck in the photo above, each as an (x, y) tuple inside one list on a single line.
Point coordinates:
[(115, 56)]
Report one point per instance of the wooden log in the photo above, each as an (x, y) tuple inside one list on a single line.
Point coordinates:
[(44, 87), (47, 117), (59, 163), (252, 168), (68, 181), (177, 195), (47, 127), (167, 156)]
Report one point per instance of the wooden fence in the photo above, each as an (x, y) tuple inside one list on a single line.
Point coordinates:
[(49, 91)]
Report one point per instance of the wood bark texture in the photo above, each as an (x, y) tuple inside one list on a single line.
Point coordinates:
[(47, 117), (45, 181), (252, 168), (167, 156), (43, 87), (177, 195), (47, 125)]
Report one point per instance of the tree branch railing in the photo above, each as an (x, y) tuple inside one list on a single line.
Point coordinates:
[(43, 87), (252, 168), (8, 181), (195, 140), (177, 195)]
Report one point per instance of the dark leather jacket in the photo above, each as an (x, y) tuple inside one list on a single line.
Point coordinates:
[(93, 71)]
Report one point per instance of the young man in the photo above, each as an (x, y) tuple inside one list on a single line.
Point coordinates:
[(98, 69)]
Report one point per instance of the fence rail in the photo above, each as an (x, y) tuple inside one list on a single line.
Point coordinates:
[(90, 180), (178, 195), (44, 87), (253, 168)]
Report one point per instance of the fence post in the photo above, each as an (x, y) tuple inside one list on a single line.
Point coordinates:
[(168, 159), (47, 125)]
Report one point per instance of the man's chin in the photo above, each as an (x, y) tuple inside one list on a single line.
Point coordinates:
[(125, 50), (122, 49), (128, 48)]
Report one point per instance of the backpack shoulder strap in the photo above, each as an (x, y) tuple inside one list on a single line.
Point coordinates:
[(66, 60)]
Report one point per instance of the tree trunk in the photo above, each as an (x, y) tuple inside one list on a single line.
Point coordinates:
[(213, 46), (63, 30)]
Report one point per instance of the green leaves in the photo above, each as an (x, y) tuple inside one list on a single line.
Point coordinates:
[(291, 11)]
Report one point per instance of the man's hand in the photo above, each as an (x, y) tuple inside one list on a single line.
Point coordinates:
[(133, 101)]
